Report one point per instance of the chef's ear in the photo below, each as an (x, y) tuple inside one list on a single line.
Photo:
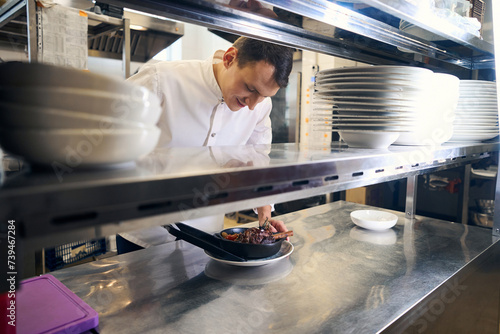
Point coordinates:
[(230, 56)]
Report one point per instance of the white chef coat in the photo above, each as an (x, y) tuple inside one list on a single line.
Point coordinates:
[(194, 114), (193, 110)]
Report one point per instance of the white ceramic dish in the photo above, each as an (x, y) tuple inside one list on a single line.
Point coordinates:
[(426, 136), (13, 116), (22, 74), (256, 275), (368, 139), (75, 148), (386, 69), (375, 220), (143, 107), (384, 79), (285, 250), (472, 137)]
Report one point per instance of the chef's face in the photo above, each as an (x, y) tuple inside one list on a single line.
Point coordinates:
[(248, 85)]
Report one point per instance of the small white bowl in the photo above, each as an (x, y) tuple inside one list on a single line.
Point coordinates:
[(14, 116), (142, 107), (368, 139), (375, 220), (65, 149)]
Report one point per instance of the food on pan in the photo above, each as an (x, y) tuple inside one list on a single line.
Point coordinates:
[(255, 235)]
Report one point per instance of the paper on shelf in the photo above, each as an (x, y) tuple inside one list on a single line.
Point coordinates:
[(64, 37)]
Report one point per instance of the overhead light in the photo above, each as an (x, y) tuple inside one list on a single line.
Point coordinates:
[(136, 27)]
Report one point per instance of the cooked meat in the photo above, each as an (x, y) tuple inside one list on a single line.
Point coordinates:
[(255, 235)]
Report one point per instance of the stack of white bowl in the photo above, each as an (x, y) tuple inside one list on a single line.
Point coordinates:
[(375, 106), (477, 112), (64, 117)]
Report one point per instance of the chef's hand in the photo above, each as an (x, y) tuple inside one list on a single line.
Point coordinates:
[(276, 225)]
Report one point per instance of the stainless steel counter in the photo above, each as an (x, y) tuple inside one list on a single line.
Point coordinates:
[(339, 279)]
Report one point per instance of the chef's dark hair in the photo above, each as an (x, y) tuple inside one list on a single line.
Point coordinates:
[(281, 57)]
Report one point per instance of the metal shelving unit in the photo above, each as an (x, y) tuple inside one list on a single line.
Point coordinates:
[(108, 37), (54, 207), (87, 204)]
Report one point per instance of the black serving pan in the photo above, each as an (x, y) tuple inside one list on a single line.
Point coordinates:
[(248, 251), (201, 239)]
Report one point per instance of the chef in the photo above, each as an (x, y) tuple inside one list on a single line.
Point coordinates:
[(224, 100)]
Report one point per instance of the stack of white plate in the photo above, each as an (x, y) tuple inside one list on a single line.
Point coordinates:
[(477, 112), (67, 118), (375, 106)]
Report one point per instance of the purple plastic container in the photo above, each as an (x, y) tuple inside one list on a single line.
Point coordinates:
[(45, 305)]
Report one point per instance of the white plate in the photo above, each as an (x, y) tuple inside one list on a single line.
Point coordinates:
[(404, 70), (399, 111), (476, 112), (366, 84), (478, 83), (399, 94), (375, 220), (368, 139), (248, 275), (371, 105), (472, 137), (285, 250), (144, 106), (466, 93), (23, 75), (471, 128), (16, 116), (73, 148), (386, 79)]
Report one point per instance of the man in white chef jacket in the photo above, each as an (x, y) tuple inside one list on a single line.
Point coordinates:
[(224, 100)]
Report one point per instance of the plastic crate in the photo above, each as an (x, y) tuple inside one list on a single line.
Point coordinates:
[(58, 257)]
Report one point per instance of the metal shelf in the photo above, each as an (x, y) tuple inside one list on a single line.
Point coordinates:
[(108, 37), (184, 183), (353, 35)]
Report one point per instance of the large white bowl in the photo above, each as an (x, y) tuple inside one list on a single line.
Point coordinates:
[(374, 219), (144, 108), (21, 74), (72, 148), (368, 139), (13, 116)]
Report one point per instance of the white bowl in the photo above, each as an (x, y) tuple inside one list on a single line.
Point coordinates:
[(65, 149), (14, 116), (19, 74), (368, 139), (144, 108), (375, 220)]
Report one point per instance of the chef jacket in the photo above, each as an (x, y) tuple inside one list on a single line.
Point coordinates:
[(193, 110), (194, 114)]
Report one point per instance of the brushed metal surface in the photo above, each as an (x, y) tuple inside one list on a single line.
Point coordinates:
[(339, 279), (187, 183)]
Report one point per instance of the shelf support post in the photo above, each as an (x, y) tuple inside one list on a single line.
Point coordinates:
[(465, 195), (126, 48), (32, 30), (496, 37), (411, 196)]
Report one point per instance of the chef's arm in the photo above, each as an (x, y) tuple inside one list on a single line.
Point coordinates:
[(265, 212)]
